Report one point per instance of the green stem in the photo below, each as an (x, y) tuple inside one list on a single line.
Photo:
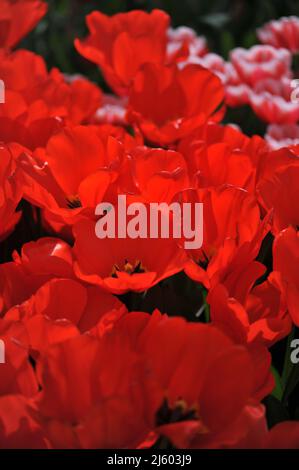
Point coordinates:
[(207, 307)]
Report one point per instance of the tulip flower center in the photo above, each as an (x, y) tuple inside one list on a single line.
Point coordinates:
[(203, 262), (73, 202), (129, 268), (179, 412)]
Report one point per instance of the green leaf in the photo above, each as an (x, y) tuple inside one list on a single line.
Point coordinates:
[(278, 390), (275, 411), (292, 382), (288, 366)]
